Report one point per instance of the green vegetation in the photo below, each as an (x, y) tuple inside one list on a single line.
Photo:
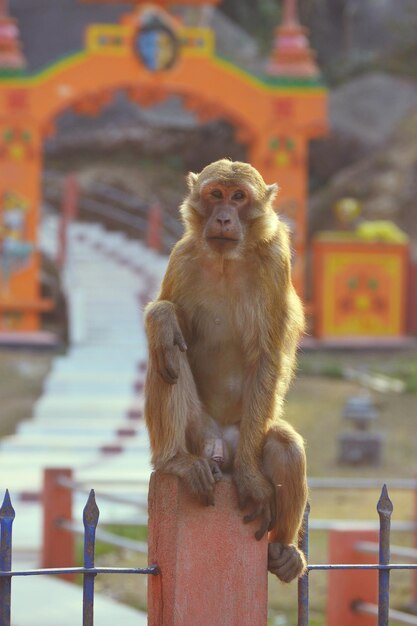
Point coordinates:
[(257, 18), (137, 533), (407, 372), (327, 368), (400, 366)]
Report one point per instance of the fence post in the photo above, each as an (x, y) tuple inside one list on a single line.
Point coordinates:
[(213, 571), (414, 574), (345, 587), (154, 234), (7, 516), (58, 544)]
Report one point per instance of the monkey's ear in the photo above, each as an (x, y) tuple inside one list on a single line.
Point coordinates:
[(271, 191), (191, 180)]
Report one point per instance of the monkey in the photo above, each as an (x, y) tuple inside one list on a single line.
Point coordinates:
[(222, 335)]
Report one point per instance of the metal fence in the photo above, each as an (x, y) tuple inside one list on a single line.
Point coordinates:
[(383, 567), (89, 571)]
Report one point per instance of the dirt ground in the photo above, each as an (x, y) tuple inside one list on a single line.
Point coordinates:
[(21, 377)]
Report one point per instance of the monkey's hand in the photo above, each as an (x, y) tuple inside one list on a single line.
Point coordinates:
[(256, 492), (167, 353)]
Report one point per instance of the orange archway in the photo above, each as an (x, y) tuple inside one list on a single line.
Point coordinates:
[(275, 115)]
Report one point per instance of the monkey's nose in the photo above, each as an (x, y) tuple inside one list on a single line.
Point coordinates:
[(223, 221)]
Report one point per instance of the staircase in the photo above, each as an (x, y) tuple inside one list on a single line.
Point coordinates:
[(90, 415)]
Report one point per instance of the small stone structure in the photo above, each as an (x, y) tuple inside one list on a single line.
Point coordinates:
[(360, 446)]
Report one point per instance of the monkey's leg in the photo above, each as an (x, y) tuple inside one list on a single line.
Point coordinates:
[(173, 415), (285, 465)]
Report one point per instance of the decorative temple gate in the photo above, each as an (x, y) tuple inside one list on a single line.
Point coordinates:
[(150, 56)]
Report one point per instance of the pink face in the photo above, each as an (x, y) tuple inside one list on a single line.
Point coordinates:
[(226, 208)]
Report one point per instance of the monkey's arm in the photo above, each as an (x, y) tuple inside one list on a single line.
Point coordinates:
[(165, 338), (163, 328)]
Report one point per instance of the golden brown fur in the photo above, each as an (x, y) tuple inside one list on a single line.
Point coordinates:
[(223, 334)]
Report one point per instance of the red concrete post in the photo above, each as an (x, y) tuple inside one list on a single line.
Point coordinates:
[(154, 234), (58, 544), (68, 213), (345, 587), (213, 571)]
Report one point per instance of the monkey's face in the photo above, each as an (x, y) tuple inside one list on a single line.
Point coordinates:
[(225, 210), (229, 207)]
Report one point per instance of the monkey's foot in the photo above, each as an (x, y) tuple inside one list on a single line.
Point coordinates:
[(286, 562), (256, 492)]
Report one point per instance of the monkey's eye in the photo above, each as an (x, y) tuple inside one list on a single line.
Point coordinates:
[(216, 193), (238, 195)]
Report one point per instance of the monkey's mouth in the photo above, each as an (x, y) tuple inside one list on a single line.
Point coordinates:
[(224, 239)]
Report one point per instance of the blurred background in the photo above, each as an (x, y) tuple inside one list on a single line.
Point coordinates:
[(104, 108)]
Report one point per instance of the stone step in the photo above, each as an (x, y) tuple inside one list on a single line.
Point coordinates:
[(93, 377), (84, 387), (93, 402), (124, 473), (42, 434), (92, 414), (64, 428), (67, 416), (95, 370), (117, 468), (102, 358), (76, 444), (60, 458)]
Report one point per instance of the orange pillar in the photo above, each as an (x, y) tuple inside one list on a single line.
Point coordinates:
[(20, 259), (213, 571), (349, 586), (412, 298), (58, 544)]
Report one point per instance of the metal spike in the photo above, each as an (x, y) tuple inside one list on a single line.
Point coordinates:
[(303, 583), (384, 506), (7, 511), (91, 511)]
